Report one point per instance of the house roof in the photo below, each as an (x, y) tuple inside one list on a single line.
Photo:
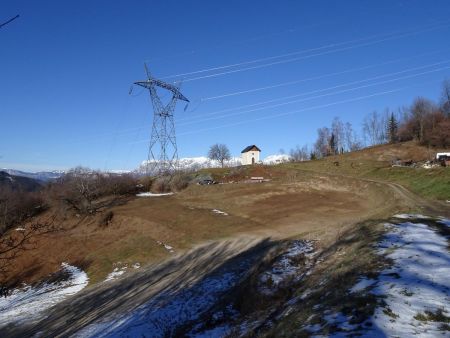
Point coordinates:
[(250, 148)]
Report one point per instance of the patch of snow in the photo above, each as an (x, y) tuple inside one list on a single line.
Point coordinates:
[(136, 265), (30, 303), (150, 194), (363, 284), (115, 273), (20, 229), (445, 222), (313, 328), (163, 314), (217, 211), (417, 281), (286, 266), (166, 246), (411, 216), (219, 331), (339, 320)]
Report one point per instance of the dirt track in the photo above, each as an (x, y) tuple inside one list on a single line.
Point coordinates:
[(105, 300)]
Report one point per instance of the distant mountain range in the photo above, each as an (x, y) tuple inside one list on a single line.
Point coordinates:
[(201, 162), (43, 176), (186, 163)]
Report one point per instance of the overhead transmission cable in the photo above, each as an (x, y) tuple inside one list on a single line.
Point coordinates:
[(10, 20), (264, 104), (387, 37), (202, 117), (319, 96), (288, 83), (295, 111)]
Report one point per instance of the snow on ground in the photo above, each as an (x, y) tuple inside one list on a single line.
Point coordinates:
[(120, 270), (363, 284), (169, 310), (445, 222), (166, 246), (30, 303), (414, 287), (117, 272), (217, 211), (418, 280), (150, 194), (286, 266), (411, 216)]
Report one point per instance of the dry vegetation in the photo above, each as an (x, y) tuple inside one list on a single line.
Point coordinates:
[(101, 222)]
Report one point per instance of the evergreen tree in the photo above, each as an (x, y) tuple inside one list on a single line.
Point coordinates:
[(392, 129), (332, 147)]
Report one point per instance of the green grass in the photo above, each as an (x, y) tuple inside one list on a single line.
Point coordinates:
[(430, 183)]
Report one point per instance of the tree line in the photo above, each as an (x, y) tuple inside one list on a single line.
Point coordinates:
[(424, 121)]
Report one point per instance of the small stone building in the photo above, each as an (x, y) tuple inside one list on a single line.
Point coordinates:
[(250, 155)]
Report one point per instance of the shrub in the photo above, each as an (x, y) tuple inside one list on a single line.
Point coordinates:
[(161, 185), (18, 206), (82, 188), (179, 182), (106, 218)]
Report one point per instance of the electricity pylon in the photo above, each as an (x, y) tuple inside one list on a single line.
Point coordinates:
[(162, 151)]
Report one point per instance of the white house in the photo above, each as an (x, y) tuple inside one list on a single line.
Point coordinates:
[(250, 155)]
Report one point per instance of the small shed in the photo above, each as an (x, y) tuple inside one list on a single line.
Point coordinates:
[(250, 155)]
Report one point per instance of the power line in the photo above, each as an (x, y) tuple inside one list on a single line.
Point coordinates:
[(388, 37), (319, 96), (202, 117), (360, 98), (10, 20), (295, 111), (319, 91), (238, 42), (283, 84)]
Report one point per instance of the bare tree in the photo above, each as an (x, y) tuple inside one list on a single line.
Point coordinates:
[(352, 141), (219, 152), (374, 128), (15, 242), (321, 147), (299, 154)]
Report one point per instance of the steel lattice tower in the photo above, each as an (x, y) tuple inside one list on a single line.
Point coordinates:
[(162, 152)]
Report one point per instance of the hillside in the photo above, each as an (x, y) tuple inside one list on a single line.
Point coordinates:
[(313, 224), (18, 183)]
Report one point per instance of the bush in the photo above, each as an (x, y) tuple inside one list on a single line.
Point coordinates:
[(82, 189), (161, 185), (119, 185), (179, 182), (18, 206), (106, 218)]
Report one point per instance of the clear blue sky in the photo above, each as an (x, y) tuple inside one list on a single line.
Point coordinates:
[(66, 68)]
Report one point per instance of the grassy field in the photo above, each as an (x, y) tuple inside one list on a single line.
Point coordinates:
[(375, 163), (310, 200)]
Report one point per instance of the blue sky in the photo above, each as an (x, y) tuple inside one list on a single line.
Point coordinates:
[(66, 68)]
